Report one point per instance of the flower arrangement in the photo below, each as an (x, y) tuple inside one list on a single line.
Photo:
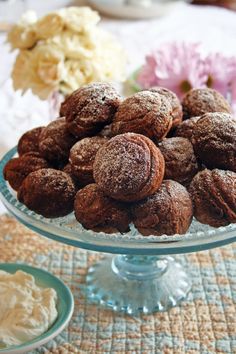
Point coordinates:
[(181, 66), (63, 51)]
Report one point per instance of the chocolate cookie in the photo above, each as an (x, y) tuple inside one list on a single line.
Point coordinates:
[(48, 192), (169, 211), (146, 113), (214, 197), (214, 140), (203, 100), (29, 141), (107, 132), (17, 169), (90, 108), (180, 161), (68, 169), (55, 141), (185, 129), (177, 112), (129, 167), (98, 212), (82, 156)]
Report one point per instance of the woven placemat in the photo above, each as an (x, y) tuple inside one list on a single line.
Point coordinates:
[(205, 323)]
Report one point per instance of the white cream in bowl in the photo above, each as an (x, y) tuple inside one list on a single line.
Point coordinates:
[(26, 310)]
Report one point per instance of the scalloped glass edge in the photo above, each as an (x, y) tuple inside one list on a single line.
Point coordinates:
[(68, 227)]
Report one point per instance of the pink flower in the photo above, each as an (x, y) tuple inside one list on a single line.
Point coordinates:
[(180, 67), (220, 71), (232, 84), (146, 77), (233, 95), (176, 66)]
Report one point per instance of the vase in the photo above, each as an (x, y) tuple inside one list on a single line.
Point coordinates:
[(54, 104)]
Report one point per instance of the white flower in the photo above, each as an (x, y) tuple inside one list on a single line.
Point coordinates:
[(28, 18), (47, 65), (48, 61), (40, 70), (79, 18), (67, 50), (20, 72), (73, 45), (109, 59), (105, 63), (49, 26), (22, 36), (77, 73)]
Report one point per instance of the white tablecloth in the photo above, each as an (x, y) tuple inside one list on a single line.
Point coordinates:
[(214, 27)]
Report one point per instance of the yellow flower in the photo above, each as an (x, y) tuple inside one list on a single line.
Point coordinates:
[(22, 36), (79, 18), (49, 26)]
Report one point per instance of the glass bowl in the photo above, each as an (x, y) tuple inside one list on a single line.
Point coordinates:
[(142, 277)]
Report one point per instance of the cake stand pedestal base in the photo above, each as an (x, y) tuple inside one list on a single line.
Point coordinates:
[(137, 284)]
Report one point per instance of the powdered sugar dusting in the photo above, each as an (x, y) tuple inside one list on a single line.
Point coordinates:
[(200, 101), (146, 113), (90, 108), (186, 128), (138, 105), (122, 165), (214, 140), (180, 161), (84, 151), (214, 197), (90, 101), (55, 141)]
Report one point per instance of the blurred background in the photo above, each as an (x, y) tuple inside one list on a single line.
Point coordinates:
[(10, 10), (231, 4)]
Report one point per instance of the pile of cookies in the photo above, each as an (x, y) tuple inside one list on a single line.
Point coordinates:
[(146, 159)]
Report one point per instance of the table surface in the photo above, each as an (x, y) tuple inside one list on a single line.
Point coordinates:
[(205, 323)]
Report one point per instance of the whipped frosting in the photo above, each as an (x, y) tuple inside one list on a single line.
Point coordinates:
[(26, 310)]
